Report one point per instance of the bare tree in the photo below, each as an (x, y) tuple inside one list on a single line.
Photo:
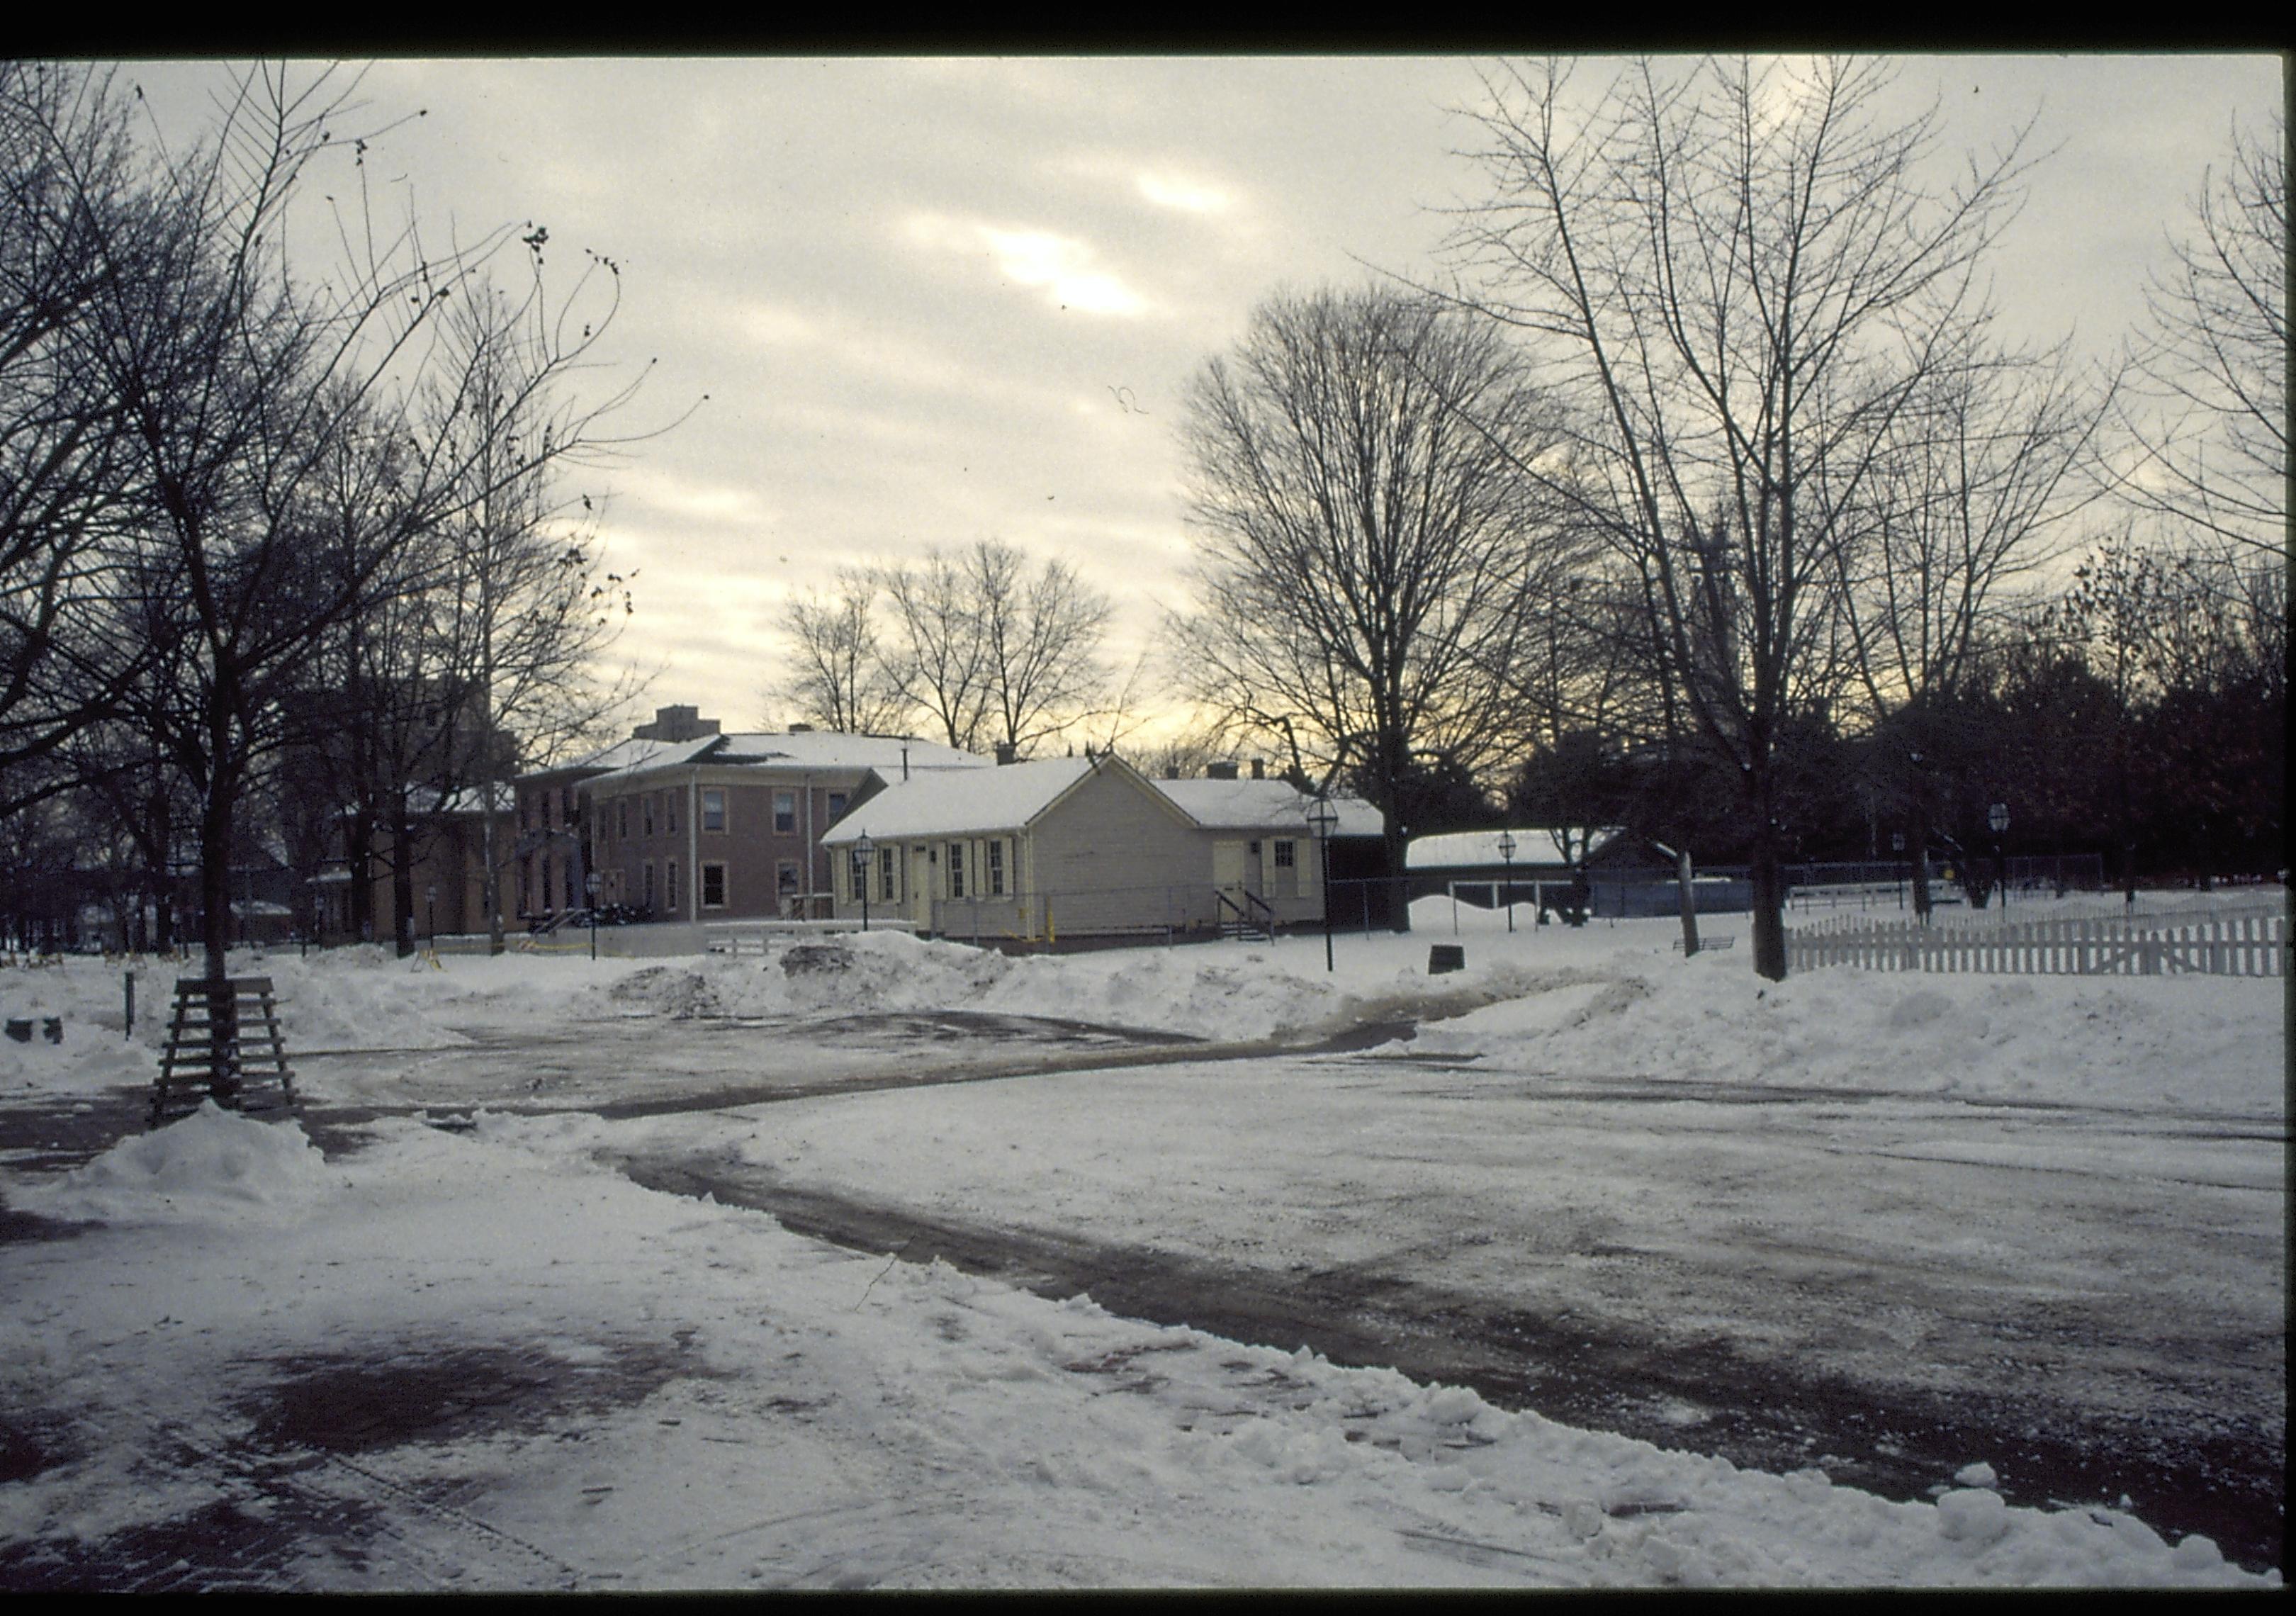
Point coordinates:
[(992, 652), (1041, 635), (525, 610), (1748, 278), (1369, 554), (1973, 485), (938, 662), (66, 174), (251, 388), (842, 681), (2212, 450)]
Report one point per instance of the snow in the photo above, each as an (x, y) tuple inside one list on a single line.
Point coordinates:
[(791, 1413), (1000, 798), (1248, 805)]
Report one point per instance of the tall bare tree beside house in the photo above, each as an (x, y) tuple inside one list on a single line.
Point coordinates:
[(986, 650), (841, 681), (1041, 633), (522, 609), (1371, 560), (936, 661), (1746, 274)]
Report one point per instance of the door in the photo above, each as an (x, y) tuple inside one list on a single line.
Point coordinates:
[(920, 887)]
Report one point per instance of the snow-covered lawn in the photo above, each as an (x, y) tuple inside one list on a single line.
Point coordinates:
[(659, 1392)]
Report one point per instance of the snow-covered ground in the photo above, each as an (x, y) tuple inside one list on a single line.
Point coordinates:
[(588, 1384)]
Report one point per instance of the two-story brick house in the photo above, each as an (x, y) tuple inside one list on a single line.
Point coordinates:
[(688, 823)]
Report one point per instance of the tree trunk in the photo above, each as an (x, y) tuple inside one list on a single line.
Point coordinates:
[(1768, 881), (359, 854), (1918, 849), (215, 935), (1689, 904), (1398, 889), (402, 876)]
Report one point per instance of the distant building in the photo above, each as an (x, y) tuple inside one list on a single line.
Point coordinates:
[(683, 821), (1078, 847)]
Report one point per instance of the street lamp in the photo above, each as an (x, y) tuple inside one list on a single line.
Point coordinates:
[(1897, 858), (590, 891), (1997, 817), (1506, 856), (864, 851), (1322, 818)]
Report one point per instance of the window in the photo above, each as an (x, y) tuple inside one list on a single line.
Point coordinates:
[(857, 874), (567, 871), (713, 810), (1286, 855), (648, 883), (886, 866), (996, 869), (622, 818), (713, 886), (647, 804), (784, 813), (785, 884), (670, 811), (836, 803), (669, 886), (956, 869)]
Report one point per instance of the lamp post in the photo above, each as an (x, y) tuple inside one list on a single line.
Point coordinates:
[(1322, 817), (1997, 817), (1898, 857), (1507, 858), (864, 851), (590, 891), (430, 902)]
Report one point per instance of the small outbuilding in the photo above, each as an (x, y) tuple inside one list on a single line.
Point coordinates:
[(1080, 847)]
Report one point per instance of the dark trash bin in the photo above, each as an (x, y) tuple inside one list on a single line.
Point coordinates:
[(1445, 956)]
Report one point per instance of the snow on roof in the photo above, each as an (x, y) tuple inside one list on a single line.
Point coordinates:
[(1253, 805), (1474, 849), (961, 802), (641, 752), (828, 749), (806, 749)]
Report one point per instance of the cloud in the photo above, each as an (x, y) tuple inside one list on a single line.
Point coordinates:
[(1063, 265), (1171, 189)]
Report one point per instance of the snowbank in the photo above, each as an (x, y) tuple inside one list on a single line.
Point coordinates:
[(214, 1163)]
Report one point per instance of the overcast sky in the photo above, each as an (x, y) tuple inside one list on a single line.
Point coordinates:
[(937, 300)]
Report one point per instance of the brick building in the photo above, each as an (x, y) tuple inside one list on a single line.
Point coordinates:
[(686, 823)]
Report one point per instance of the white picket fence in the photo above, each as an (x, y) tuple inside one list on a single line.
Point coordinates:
[(2252, 943)]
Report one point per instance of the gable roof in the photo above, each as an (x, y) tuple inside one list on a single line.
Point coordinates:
[(1535, 845), (1262, 805), (954, 802)]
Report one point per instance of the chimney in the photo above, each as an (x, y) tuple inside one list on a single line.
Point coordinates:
[(1005, 752), (1219, 771), (675, 724), (1171, 771), (1259, 769)]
